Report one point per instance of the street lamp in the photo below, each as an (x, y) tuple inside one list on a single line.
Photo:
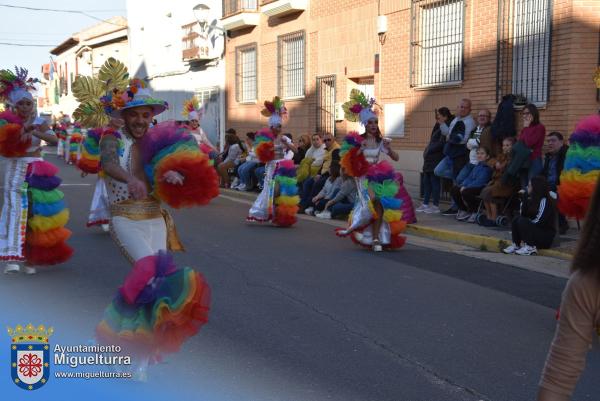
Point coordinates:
[(201, 12)]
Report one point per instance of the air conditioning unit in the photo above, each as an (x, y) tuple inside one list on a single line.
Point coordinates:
[(339, 112)]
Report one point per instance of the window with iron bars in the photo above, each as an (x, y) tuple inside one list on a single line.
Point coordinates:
[(245, 73), (437, 37), (231, 7), (524, 45), (291, 65)]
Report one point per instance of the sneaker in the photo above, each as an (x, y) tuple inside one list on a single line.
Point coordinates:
[(526, 250), (450, 212), (472, 218), (309, 210), (377, 246), (511, 249), (325, 214), (29, 270), (105, 227), (432, 210), (462, 215), (241, 187), (422, 208), (12, 268), (483, 221), (235, 183)]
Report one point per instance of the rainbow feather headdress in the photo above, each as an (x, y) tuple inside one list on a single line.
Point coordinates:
[(359, 108), (15, 86), (192, 109), (275, 110)]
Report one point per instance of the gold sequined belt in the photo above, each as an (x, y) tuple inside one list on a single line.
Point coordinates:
[(144, 209)]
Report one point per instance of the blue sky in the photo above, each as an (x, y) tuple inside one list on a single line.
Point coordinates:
[(46, 28)]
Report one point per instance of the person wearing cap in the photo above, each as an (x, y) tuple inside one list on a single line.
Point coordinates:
[(33, 211)]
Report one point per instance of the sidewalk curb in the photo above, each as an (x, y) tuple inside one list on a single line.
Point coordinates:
[(481, 242)]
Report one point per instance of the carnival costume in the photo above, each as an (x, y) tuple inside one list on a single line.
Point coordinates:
[(159, 305), (193, 111), (373, 178), (582, 168), (33, 212), (278, 200)]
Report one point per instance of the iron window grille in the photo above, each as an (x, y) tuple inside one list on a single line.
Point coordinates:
[(245, 74), (326, 104), (524, 49), (437, 38), (231, 7), (291, 65)]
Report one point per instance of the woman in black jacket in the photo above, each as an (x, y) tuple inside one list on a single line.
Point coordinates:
[(536, 226), (432, 155)]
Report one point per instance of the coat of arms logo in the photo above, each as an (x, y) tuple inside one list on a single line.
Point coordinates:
[(30, 355)]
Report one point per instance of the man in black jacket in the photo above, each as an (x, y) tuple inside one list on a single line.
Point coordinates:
[(554, 162)]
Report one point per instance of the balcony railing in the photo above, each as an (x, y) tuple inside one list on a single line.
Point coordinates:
[(231, 7)]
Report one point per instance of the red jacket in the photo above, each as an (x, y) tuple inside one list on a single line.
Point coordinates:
[(534, 136)]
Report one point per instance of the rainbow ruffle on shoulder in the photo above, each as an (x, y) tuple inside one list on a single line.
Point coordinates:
[(383, 182), (354, 163), (157, 309), (170, 147), (10, 136), (581, 169), (264, 145), (287, 199), (46, 235)]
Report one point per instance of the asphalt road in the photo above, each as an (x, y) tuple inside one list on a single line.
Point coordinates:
[(299, 314)]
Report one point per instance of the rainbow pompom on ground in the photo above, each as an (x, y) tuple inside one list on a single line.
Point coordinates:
[(287, 200), (158, 307), (169, 147), (46, 235), (582, 168)]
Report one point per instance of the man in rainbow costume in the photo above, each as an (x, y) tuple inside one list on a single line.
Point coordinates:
[(159, 305), (32, 229)]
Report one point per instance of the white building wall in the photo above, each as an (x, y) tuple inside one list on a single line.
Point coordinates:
[(156, 49)]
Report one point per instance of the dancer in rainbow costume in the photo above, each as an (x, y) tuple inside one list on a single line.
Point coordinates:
[(33, 212), (383, 207), (278, 200), (193, 112), (159, 305)]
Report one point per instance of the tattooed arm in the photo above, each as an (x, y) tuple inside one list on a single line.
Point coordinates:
[(109, 159)]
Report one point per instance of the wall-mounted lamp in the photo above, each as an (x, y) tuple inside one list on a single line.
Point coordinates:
[(381, 28)]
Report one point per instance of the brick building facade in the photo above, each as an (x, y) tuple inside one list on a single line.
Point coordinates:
[(432, 53)]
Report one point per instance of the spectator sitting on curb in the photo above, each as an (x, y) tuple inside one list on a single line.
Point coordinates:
[(313, 159), (497, 189), (230, 155), (343, 202), (483, 126), (536, 227), (246, 168), (553, 166), (303, 144), (313, 185), (432, 156), (330, 188), (466, 195)]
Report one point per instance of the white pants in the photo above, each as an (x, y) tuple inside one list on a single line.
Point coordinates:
[(139, 238)]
